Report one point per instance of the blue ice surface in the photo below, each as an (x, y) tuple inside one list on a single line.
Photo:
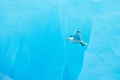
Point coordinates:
[(33, 45)]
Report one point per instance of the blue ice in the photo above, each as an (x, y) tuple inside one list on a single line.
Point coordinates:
[(33, 45)]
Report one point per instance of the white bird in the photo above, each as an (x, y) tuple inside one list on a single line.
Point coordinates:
[(76, 39)]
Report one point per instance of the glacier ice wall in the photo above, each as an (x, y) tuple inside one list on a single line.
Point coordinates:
[(102, 55), (33, 46), (101, 60)]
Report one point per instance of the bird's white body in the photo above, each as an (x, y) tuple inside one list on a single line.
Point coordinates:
[(73, 40)]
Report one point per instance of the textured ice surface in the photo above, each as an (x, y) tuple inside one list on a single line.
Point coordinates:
[(33, 45), (4, 77), (102, 56)]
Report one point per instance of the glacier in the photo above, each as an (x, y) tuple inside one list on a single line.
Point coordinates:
[(33, 45)]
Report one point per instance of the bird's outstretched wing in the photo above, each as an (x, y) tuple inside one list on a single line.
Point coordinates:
[(83, 43)]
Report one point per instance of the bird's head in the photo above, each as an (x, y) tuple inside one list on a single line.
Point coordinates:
[(70, 37)]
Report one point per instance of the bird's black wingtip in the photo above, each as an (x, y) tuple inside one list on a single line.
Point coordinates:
[(78, 32)]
